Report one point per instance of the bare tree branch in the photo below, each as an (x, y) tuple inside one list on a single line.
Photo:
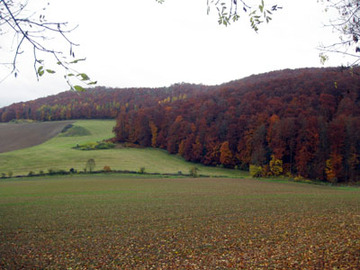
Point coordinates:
[(37, 33), (347, 24)]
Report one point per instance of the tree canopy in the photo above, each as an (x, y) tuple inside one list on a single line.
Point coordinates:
[(291, 122)]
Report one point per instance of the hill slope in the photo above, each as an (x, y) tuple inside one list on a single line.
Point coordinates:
[(95, 103), (295, 122)]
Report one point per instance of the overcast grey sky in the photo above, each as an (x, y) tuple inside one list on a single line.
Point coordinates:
[(144, 44)]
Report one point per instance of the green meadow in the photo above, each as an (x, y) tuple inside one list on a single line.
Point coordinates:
[(116, 221), (57, 154)]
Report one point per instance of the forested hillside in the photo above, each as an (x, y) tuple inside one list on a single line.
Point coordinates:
[(95, 103), (302, 123)]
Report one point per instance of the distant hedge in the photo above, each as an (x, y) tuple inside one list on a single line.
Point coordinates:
[(95, 146)]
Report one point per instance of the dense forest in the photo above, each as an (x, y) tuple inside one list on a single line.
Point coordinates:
[(95, 103), (302, 123)]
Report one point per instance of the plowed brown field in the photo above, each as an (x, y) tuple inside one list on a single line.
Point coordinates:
[(14, 136), (116, 222)]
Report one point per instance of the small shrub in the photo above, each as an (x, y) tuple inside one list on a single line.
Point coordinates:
[(107, 169), (31, 173), (299, 178), (180, 172), (276, 166), (256, 171), (194, 172), (90, 164), (41, 172), (142, 170), (72, 170), (10, 174), (265, 171)]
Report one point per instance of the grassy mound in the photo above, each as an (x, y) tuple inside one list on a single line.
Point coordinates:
[(74, 131)]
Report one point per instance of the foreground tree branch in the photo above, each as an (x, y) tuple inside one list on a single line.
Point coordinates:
[(228, 11), (347, 25), (35, 31)]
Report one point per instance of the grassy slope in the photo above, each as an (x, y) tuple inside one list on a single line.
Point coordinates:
[(109, 221), (57, 154)]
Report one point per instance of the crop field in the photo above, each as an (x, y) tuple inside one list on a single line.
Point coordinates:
[(114, 221), (58, 153), (14, 136)]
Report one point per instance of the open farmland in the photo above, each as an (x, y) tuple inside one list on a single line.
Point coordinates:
[(58, 154), (124, 222), (14, 136)]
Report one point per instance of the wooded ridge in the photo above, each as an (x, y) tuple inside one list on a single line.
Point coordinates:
[(303, 123)]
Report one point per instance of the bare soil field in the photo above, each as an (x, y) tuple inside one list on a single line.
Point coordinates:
[(125, 222), (14, 136)]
